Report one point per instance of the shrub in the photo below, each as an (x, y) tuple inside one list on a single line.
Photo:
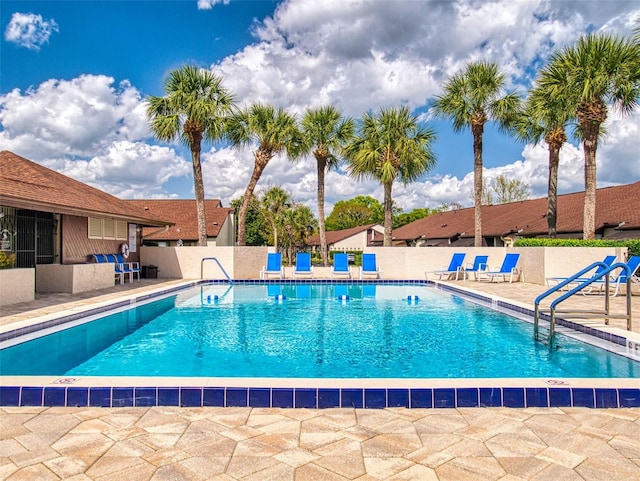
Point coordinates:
[(632, 245), (6, 260)]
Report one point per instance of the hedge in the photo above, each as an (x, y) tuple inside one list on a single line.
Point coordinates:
[(632, 245)]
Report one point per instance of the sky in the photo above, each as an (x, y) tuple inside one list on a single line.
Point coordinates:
[(75, 75)]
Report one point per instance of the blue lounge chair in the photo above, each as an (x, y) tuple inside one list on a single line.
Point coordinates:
[(340, 265), (118, 271), (273, 267), (303, 265), (369, 266), (455, 267), (121, 270), (479, 265), (621, 279), (134, 267), (509, 268), (556, 280)]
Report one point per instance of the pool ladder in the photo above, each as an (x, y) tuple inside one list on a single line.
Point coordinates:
[(606, 270), (219, 265)]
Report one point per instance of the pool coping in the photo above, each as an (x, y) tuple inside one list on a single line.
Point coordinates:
[(311, 393)]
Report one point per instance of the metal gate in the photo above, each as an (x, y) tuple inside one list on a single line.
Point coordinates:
[(30, 234)]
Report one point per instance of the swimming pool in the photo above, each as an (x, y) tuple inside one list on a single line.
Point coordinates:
[(353, 330), (309, 331)]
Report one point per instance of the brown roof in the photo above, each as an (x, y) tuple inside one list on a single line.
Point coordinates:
[(613, 206), (182, 212), (27, 185), (334, 236)]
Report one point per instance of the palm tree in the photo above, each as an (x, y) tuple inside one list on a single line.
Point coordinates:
[(546, 119), (391, 146), (325, 132), (597, 70), (274, 202), (471, 99), (194, 109), (274, 131)]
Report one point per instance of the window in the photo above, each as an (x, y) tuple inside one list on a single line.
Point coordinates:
[(107, 229)]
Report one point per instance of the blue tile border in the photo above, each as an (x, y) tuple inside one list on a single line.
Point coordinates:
[(320, 398)]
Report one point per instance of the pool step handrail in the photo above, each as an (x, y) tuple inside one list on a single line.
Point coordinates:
[(604, 272), (219, 265)]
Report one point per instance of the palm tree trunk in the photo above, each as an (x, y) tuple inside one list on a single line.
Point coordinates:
[(258, 167), (589, 223), (477, 130), (388, 215), (321, 163), (275, 235), (199, 191), (552, 190)]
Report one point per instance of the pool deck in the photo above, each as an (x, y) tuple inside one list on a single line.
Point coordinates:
[(171, 443)]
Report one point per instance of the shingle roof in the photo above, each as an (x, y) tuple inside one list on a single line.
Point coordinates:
[(334, 236), (27, 185), (613, 205), (182, 212)]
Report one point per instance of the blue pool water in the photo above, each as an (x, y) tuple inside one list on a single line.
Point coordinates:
[(316, 331)]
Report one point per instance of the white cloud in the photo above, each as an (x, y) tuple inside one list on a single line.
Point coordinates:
[(209, 4), (75, 117), (127, 169), (29, 30)]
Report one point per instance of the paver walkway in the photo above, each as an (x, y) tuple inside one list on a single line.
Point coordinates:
[(225, 444)]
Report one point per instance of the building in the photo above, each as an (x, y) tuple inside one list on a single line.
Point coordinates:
[(182, 213), (353, 239), (617, 217), (49, 218)]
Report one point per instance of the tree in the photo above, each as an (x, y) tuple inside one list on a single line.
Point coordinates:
[(347, 214), (599, 69), (391, 146), (509, 190), (297, 224), (324, 133), (546, 117), (194, 109), (405, 218), (471, 99), (257, 228), (274, 202), (274, 131)]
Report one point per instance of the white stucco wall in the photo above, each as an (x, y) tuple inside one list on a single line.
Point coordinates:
[(17, 285), (536, 263), (74, 278)]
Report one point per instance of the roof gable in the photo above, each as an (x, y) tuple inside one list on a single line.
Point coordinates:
[(28, 185), (183, 213)]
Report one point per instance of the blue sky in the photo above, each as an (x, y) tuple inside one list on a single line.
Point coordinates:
[(74, 76)]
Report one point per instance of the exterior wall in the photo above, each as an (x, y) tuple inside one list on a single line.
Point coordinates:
[(565, 261), (536, 263), (185, 262), (77, 248), (356, 242), (17, 285), (226, 236), (73, 278)]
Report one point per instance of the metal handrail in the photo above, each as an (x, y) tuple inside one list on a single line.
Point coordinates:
[(219, 265), (587, 282)]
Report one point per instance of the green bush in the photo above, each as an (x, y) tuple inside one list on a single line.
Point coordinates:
[(6, 260), (632, 245)]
